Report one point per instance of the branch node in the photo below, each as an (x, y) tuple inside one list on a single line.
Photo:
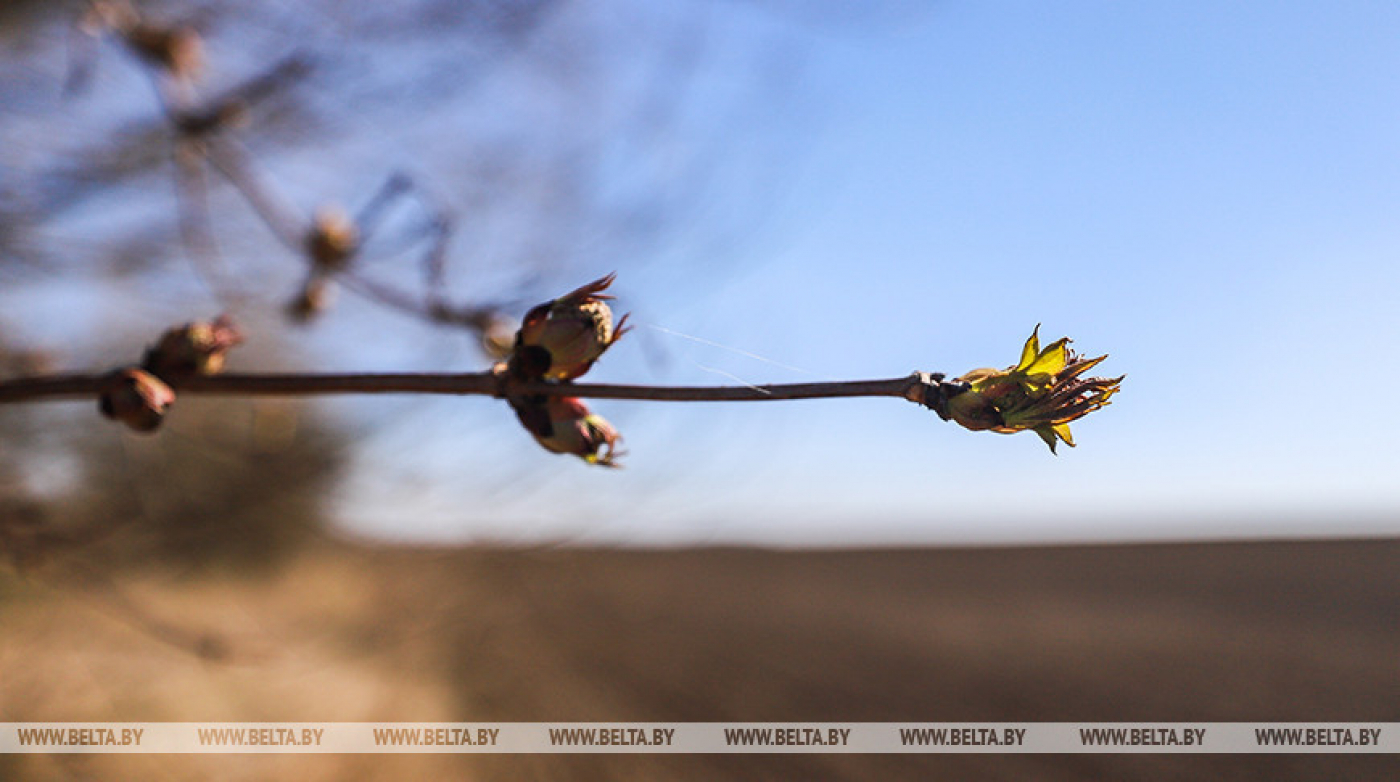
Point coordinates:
[(930, 390)]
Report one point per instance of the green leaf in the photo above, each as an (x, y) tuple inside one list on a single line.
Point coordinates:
[(1051, 360), (1030, 351)]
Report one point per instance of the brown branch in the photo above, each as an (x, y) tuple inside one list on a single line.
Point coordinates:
[(57, 387)]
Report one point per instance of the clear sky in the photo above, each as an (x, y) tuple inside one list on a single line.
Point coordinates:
[(1208, 192)]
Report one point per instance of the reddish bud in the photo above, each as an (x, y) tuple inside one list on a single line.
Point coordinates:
[(560, 339), (192, 349), (138, 399), (563, 424)]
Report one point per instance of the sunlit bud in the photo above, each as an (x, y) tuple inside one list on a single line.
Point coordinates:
[(560, 339), (563, 424), (1042, 393), (138, 399), (332, 240), (193, 349)]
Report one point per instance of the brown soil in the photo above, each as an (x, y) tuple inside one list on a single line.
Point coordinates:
[(1289, 631)]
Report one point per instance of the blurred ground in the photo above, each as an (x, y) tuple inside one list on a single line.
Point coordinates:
[(1283, 631)]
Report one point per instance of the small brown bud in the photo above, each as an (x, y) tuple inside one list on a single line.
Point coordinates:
[(138, 399), (193, 349), (560, 339), (315, 297), (564, 424), (178, 49), (332, 240)]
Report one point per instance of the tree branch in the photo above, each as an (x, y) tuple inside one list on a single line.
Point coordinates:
[(59, 387)]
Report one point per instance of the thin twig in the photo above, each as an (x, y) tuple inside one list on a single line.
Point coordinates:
[(58, 387)]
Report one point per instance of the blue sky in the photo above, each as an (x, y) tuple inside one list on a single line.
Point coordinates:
[(1207, 192)]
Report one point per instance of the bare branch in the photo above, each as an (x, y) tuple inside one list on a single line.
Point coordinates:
[(78, 386)]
